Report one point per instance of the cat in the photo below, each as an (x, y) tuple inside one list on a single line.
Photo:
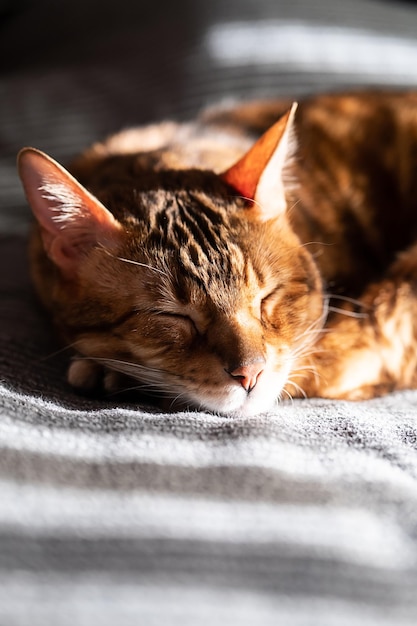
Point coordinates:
[(259, 252)]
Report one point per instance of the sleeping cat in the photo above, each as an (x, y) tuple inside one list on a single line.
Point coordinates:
[(221, 268)]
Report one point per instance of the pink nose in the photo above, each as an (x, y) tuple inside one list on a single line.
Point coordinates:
[(248, 375)]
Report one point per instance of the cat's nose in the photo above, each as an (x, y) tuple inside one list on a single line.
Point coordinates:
[(248, 375)]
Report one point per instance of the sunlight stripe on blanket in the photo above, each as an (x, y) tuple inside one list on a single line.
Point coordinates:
[(95, 598), (333, 532)]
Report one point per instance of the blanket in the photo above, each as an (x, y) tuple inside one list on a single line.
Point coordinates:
[(112, 512)]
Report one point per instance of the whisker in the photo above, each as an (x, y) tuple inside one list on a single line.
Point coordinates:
[(145, 375), (307, 338), (179, 397), (305, 372), (336, 309), (313, 352), (297, 387), (153, 390), (138, 263), (287, 393), (108, 360), (59, 351), (292, 207), (149, 267), (256, 203), (314, 333), (311, 243), (248, 199), (334, 296)]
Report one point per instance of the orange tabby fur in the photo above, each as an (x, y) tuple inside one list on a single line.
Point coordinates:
[(224, 274)]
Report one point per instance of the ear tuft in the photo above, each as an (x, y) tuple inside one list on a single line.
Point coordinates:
[(261, 175), (71, 219)]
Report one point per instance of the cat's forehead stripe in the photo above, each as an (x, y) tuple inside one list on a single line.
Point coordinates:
[(202, 237)]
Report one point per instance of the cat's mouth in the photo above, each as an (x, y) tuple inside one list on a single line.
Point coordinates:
[(233, 400)]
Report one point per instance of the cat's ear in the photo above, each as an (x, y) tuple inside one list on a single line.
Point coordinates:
[(260, 175), (71, 219)]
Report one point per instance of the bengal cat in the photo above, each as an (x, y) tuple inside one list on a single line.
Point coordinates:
[(224, 269)]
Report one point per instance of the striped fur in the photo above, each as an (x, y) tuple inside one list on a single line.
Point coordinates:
[(198, 281)]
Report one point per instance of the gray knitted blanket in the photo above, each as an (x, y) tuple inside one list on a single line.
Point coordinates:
[(112, 513)]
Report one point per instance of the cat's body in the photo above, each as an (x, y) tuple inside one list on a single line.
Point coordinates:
[(223, 276)]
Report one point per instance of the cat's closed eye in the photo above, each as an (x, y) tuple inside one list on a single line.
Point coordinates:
[(179, 321), (268, 302)]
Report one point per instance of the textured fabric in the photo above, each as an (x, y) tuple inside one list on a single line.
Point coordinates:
[(111, 512)]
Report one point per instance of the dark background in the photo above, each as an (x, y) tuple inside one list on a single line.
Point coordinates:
[(74, 71)]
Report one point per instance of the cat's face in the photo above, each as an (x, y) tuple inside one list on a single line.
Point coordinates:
[(201, 305), (191, 283)]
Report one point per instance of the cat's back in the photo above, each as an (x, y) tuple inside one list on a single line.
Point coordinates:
[(357, 189), (371, 135), (163, 146)]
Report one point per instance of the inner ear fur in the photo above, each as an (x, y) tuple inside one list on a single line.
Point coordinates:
[(260, 174), (71, 219)]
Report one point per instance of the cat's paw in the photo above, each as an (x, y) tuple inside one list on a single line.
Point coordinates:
[(84, 374), (114, 381)]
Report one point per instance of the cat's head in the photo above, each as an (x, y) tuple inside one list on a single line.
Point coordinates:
[(192, 283)]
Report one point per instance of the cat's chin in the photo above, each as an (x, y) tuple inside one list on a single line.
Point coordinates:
[(234, 401), (249, 407)]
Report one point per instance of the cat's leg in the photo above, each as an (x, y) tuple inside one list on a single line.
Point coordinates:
[(371, 351)]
